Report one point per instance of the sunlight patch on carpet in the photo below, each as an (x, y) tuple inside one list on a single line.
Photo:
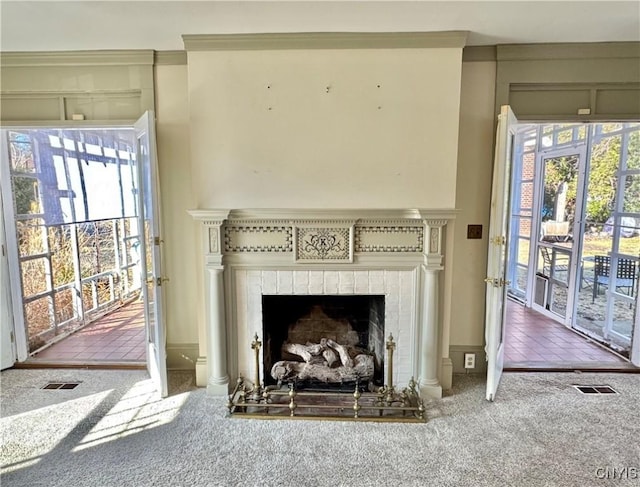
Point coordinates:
[(54, 424), (140, 408)]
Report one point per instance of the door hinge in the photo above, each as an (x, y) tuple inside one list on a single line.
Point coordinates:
[(492, 281), (157, 241), (13, 339), (497, 282), (3, 254), (158, 280), (499, 240)]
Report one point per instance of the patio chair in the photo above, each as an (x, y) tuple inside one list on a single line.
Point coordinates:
[(626, 275), (561, 262)]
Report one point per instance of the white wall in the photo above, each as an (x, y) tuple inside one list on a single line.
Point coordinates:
[(179, 231), (266, 133), (473, 198)]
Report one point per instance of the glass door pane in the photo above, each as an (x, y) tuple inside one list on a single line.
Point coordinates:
[(559, 189), (522, 212), (610, 256)]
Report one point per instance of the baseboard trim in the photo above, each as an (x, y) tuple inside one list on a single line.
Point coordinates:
[(456, 352), (182, 356), (446, 373)]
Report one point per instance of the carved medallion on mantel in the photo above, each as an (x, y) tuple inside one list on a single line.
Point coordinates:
[(324, 244)]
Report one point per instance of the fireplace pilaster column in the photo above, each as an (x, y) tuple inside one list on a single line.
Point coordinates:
[(429, 356), (218, 380), (211, 366)]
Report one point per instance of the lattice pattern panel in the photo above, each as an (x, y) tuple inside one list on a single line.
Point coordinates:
[(389, 239), (260, 238)]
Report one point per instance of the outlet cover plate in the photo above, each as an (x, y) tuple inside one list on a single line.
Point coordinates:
[(474, 231)]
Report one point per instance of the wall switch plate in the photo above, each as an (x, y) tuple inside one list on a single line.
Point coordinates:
[(474, 231), (469, 360)]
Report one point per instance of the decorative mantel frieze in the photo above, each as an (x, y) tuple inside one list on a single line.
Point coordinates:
[(319, 236), (248, 253)]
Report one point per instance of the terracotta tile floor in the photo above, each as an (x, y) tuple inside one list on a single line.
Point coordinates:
[(116, 337), (532, 337)]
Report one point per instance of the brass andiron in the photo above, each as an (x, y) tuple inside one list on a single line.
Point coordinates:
[(292, 399), (391, 346), (256, 392), (356, 403), (386, 393)]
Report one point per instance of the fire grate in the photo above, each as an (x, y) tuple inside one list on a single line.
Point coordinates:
[(61, 385), (591, 389)]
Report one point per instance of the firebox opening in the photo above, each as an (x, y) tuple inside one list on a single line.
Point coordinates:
[(323, 342)]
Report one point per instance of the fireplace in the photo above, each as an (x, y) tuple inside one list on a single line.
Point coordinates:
[(270, 272), (318, 341)]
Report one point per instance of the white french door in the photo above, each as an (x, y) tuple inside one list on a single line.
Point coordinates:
[(498, 249), (7, 339), (150, 258)]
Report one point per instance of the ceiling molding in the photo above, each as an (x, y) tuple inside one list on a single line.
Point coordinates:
[(75, 58), (325, 40), (587, 50), (479, 53), (164, 58)]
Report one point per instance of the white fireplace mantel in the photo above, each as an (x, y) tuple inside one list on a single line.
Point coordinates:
[(251, 252)]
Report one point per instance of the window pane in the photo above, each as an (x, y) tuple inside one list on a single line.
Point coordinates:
[(31, 237), (633, 150), (34, 277), (26, 196), (21, 153), (603, 180), (631, 203)]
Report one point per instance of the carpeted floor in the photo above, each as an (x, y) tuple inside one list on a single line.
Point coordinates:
[(113, 430)]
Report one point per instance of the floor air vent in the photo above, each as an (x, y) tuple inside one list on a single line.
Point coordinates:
[(61, 385), (596, 389)]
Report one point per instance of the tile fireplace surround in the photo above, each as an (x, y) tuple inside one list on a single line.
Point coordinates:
[(251, 253)]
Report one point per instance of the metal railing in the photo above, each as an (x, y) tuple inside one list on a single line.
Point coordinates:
[(64, 307)]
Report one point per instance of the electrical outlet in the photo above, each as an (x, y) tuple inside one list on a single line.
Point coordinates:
[(469, 360)]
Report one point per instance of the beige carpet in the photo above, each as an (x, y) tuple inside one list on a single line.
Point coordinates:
[(113, 430)]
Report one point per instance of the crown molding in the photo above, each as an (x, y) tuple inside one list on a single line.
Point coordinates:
[(76, 58), (170, 58), (325, 40), (585, 50), (472, 54)]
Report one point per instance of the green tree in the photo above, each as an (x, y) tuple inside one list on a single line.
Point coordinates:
[(605, 159), (632, 182), (560, 174)]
